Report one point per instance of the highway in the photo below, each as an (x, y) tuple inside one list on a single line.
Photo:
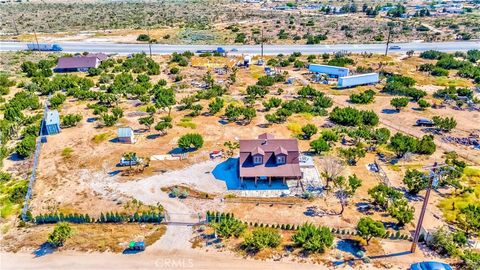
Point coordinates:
[(120, 48)]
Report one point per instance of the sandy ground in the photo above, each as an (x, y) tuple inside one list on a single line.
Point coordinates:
[(181, 260)]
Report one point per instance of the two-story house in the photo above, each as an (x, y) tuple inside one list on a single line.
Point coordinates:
[(267, 158)]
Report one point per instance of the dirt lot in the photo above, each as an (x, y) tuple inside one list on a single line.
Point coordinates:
[(87, 180), (85, 238)]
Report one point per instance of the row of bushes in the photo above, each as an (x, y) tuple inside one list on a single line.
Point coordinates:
[(110, 217), (216, 217)]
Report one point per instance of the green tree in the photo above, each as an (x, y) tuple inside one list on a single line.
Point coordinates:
[(382, 195), (471, 260), (401, 211), (228, 227), (401, 144), (309, 130), (423, 104), (469, 218), (164, 124), (399, 103), (60, 234), (329, 135), (256, 91), (109, 120), (190, 141), (445, 124), (216, 105), (57, 100), (147, 121), (71, 120), (319, 145), (363, 98), (262, 238), (352, 154), (272, 102), (164, 98), (312, 238), (368, 228), (248, 114), (26, 146), (415, 181)]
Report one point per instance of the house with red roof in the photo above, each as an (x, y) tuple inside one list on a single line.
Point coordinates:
[(267, 158), (76, 63)]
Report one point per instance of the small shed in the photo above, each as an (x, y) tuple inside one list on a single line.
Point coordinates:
[(125, 135), (52, 123)]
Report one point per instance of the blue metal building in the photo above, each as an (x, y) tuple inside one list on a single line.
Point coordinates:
[(332, 71), (52, 123)]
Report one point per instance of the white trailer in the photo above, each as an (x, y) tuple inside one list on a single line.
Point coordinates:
[(354, 80)]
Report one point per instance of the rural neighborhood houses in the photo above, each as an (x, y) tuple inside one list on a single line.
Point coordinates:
[(267, 158)]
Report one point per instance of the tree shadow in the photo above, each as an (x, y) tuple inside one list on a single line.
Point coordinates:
[(113, 173), (178, 150), (153, 136), (263, 125), (390, 111), (15, 157), (44, 249), (390, 255), (131, 251)]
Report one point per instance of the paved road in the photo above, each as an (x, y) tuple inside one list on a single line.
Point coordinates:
[(73, 47)]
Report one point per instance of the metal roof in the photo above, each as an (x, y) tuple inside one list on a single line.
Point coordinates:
[(125, 132), (52, 118)]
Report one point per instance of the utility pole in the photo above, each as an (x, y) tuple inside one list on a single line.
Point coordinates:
[(15, 26), (36, 39), (433, 174), (388, 39), (262, 45), (149, 42)]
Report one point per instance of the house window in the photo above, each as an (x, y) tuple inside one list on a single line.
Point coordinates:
[(281, 159), (257, 159)]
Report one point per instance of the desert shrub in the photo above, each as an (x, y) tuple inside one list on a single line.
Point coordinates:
[(228, 227), (312, 238), (262, 238), (190, 141), (71, 120)]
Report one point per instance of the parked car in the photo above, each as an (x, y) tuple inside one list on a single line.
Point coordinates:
[(430, 266), (424, 122), (136, 246), (395, 47), (126, 162)]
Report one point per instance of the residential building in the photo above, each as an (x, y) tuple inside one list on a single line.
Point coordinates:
[(76, 63), (267, 158)]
